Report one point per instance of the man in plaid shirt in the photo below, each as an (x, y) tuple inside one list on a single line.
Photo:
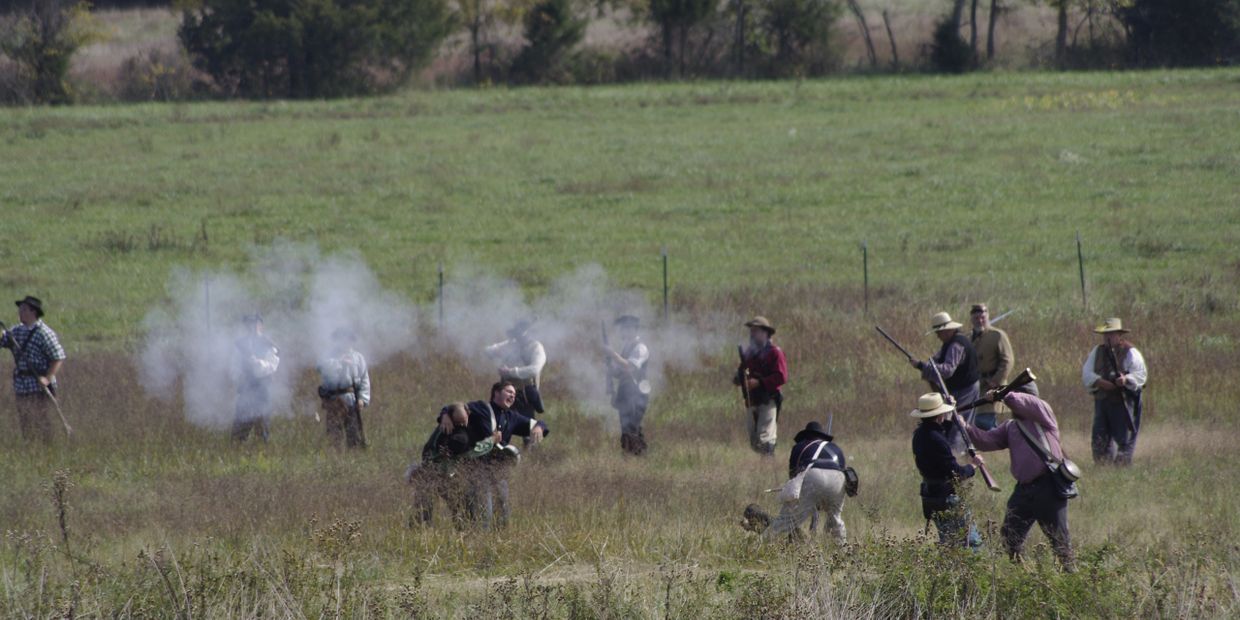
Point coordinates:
[(37, 357)]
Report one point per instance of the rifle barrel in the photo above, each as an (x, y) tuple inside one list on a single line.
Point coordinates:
[(894, 343)]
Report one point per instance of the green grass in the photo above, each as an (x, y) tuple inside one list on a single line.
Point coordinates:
[(964, 188)]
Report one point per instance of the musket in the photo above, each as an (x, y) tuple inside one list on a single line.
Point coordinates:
[(1024, 378), (1002, 316), (964, 434), (17, 355), (611, 382), (1132, 423), (896, 344), (742, 374), (357, 412)]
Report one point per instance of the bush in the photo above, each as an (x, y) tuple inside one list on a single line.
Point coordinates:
[(39, 43), (551, 29), (1182, 32), (949, 52), (155, 76), (312, 48)]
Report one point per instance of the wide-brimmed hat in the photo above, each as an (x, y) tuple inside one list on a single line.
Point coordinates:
[(628, 320), (813, 430), (761, 322), (930, 405), (519, 328), (943, 321), (35, 304), (1110, 326), (252, 318)]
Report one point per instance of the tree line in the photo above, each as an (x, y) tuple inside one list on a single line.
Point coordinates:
[(331, 48)]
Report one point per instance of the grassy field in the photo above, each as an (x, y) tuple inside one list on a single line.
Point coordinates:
[(964, 189)]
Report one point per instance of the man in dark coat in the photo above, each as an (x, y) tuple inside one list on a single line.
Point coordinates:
[(257, 360), (941, 474), (442, 468), (494, 420), (817, 483)]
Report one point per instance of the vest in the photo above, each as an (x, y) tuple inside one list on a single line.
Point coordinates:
[(1104, 368), (966, 373)]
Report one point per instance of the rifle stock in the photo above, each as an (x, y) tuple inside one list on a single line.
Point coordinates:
[(1132, 424), (742, 374), (1025, 377)]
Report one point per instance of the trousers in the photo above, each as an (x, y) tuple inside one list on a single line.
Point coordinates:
[(1113, 441), (822, 490), (761, 423), (343, 422), (1039, 502), (34, 416)]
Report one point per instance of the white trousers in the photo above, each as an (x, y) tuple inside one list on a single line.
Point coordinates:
[(821, 491)]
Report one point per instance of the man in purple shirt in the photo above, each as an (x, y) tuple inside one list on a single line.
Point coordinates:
[(1035, 497)]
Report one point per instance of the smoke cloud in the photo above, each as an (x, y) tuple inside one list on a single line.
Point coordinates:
[(303, 298)]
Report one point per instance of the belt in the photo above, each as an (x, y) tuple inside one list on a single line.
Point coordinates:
[(325, 393)]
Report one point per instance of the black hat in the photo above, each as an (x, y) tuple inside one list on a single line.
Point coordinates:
[(812, 430), (519, 328), (628, 320), (34, 302), (250, 319)]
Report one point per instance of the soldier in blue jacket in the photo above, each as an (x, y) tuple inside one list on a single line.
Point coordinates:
[(494, 421), (819, 480)]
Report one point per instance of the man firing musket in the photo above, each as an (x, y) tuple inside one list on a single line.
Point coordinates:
[(344, 389), (257, 360), (37, 357), (521, 359), (626, 379), (1115, 374), (762, 374)]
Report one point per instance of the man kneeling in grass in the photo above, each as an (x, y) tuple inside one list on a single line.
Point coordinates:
[(444, 468), (819, 480)]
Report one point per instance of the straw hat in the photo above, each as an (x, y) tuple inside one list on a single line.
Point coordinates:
[(929, 406), (1111, 325), (943, 321), (762, 322)]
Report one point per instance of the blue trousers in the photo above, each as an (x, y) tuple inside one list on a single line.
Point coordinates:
[(1114, 434)]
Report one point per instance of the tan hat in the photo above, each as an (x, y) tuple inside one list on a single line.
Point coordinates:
[(930, 405), (761, 321), (942, 321), (1111, 325)]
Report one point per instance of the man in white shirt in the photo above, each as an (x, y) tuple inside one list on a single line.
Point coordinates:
[(257, 360), (344, 388), (1115, 374), (521, 359)]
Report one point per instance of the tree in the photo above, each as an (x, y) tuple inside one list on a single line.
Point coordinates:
[(797, 28), (551, 29), (311, 48), (675, 18), (41, 40), (1181, 32)]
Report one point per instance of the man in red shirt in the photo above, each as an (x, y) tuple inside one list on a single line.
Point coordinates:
[(763, 372)]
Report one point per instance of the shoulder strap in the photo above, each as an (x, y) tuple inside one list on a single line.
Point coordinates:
[(1043, 450), (22, 355)]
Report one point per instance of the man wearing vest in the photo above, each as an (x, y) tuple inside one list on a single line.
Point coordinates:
[(1115, 374), (994, 362), (1032, 437), (630, 390), (494, 421), (521, 360), (941, 473), (956, 363), (763, 372), (816, 483), (37, 357)]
